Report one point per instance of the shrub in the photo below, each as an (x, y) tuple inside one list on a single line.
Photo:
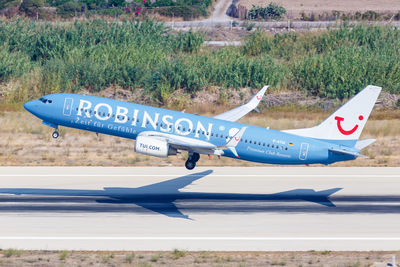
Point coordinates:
[(272, 11), (189, 42), (69, 9), (31, 7)]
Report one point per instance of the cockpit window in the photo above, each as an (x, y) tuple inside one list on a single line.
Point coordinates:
[(45, 100)]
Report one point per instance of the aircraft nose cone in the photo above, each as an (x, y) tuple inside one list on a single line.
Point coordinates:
[(29, 106)]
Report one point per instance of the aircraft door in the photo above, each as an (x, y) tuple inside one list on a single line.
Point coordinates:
[(67, 111), (303, 151)]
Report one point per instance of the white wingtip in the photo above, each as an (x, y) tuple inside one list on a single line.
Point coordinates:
[(257, 98)]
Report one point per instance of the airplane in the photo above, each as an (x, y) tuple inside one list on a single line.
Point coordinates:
[(162, 132)]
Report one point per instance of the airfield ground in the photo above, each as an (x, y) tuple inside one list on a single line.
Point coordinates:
[(184, 258), (295, 7)]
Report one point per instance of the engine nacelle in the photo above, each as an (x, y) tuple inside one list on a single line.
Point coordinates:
[(153, 146)]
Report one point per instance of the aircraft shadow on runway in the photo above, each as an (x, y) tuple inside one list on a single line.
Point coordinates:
[(160, 198)]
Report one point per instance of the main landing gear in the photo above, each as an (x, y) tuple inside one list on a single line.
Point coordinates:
[(192, 160)]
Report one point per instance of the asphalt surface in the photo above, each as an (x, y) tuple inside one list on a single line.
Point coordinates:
[(209, 208)]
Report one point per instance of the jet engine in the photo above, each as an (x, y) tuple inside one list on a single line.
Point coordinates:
[(153, 146)]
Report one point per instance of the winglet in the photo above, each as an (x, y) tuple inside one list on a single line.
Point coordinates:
[(236, 138), (255, 100), (236, 113)]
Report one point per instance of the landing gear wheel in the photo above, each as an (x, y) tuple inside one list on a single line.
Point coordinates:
[(190, 165), (55, 134), (195, 157)]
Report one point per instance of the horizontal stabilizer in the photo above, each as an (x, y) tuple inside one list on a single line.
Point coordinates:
[(364, 143), (346, 152)]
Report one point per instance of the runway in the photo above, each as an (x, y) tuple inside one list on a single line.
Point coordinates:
[(209, 208)]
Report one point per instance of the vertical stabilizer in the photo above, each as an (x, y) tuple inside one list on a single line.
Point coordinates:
[(346, 124)]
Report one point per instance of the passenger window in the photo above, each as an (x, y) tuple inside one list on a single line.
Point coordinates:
[(250, 142)]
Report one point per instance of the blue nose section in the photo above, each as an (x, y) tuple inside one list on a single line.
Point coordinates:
[(30, 106)]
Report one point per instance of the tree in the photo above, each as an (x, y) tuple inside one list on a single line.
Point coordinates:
[(31, 7), (116, 2), (8, 3)]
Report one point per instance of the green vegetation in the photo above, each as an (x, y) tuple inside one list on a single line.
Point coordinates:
[(63, 255), (177, 254), (187, 9), (129, 257), (272, 11), (44, 58), (12, 252), (48, 9)]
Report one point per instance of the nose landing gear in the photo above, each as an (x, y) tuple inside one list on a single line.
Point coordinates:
[(190, 164), (55, 134)]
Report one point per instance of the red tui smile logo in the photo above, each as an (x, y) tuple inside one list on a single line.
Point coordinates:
[(237, 139), (259, 97), (344, 132)]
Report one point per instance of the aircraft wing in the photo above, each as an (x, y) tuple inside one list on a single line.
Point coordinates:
[(237, 113), (180, 142), (199, 146)]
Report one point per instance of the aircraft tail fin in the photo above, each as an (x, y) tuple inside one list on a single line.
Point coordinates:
[(345, 125)]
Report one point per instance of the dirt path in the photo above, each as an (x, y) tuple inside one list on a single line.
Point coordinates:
[(219, 13)]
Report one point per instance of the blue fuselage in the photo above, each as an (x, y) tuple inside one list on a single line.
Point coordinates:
[(124, 119)]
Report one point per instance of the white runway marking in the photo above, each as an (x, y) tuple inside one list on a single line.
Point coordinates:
[(210, 175), (201, 238)]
